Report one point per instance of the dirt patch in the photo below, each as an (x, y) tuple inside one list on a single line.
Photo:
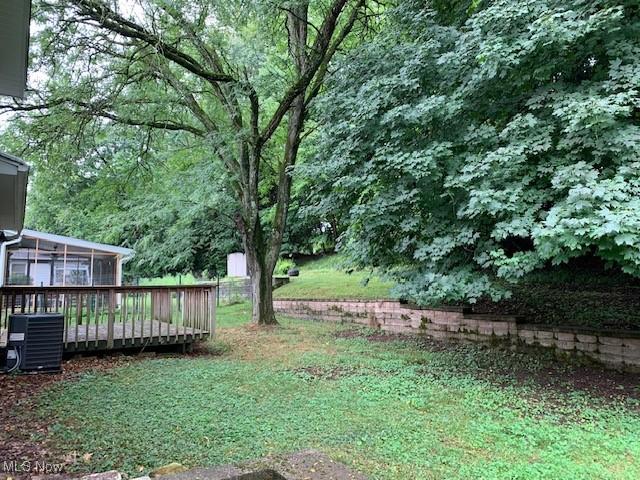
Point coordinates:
[(304, 465), (19, 436), (606, 385), (349, 334), (538, 368), (614, 308)]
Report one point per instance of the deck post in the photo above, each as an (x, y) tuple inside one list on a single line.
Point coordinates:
[(111, 318), (212, 312)]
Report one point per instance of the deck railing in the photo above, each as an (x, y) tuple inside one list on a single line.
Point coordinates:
[(119, 317)]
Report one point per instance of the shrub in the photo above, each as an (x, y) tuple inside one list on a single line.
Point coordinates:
[(284, 265)]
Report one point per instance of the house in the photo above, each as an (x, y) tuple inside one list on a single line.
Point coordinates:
[(14, 50), (44, 259), (13, 193), (14, 46)]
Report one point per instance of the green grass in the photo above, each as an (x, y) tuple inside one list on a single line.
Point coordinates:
[(233, 315), (186, 279), (319, 278), (389, 409), (323, 278), (326, 262)]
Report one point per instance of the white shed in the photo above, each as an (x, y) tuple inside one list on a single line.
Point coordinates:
[(237, 265)]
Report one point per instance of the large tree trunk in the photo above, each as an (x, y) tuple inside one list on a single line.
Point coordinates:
[(263, 248), (261, 277), (262, 296)]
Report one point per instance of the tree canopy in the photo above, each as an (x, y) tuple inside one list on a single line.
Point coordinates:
[(238, 77), (458, 146), (475, 150)]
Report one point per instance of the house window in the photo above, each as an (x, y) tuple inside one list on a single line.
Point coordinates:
[(73, 275), (18, 268), (18, 273)]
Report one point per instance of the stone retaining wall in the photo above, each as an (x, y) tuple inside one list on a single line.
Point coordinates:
[(617, 349)]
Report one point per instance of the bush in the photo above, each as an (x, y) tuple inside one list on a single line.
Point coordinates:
[(284, 265)]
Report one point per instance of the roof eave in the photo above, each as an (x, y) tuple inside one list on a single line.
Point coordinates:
[(76, 242)]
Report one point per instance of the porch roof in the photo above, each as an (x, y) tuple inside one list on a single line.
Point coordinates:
[(75, 242)]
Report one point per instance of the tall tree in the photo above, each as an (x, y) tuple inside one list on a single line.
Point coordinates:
[(239, 76), (477, 149)]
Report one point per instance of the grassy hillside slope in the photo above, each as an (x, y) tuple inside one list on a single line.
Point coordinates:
[(325, 278)]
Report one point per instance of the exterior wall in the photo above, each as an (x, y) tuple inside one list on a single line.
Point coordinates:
[(615, 349)]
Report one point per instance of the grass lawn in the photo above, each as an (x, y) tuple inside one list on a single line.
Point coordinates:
[(323, 278), (186, 279), (396, 409), (320, 278)]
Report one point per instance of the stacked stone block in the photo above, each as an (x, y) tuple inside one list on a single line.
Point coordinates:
[(617, 349)]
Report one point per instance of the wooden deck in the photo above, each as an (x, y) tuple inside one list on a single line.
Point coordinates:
[(116, 318), (129, 335)]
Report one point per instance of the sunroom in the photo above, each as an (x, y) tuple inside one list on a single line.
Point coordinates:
[(44, 259)]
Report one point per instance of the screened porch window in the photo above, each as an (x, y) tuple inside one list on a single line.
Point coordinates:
[(42, 263), (76, 273), (18, 268)]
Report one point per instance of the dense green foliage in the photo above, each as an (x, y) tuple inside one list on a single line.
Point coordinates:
[(477, 149), (235, 78), (484, 140), (168, 202), (389, 409)]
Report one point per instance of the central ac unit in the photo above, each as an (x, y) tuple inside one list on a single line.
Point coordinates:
[(34, 342)]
